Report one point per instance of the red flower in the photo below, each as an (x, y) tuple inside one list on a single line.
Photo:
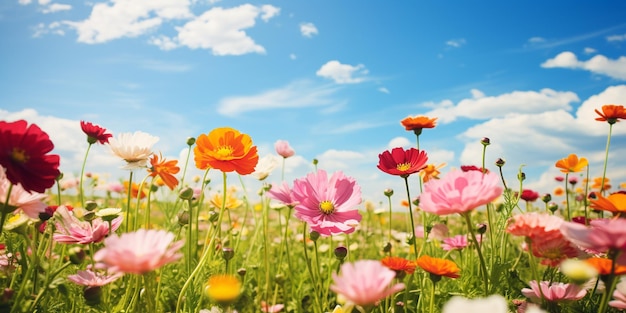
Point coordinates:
[(467, 168), (611, 113), (402, 162), (95, 133), (529, 195), (23, 153)]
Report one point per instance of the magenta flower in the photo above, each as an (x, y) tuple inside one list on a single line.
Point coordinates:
[(284, 149), (139, 252), (553, 292), (283, 194), (91, 279), (602, 235), (460, 192), (328, 206), (365, 282), (69, 229), (458, 242)]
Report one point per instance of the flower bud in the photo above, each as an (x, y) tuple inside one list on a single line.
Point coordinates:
[(191, 141), (546, 198), (213, 216), (388, 192), (90, 205), (183, 218), (553, 207), (500, 162), (578, 271), (521, 176), (341, 252), (481, 228), (485, 141), (92, 295), (387, 247), (314, 235), (228, 253), (76, 255), (279, 278), (186, 193), (89, 216), (315, 161), (241, 272)]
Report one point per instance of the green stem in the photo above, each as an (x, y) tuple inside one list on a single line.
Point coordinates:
[(82, 174), (406, 183), (308, 265), (569, 214), (611, 283), (483, 266), (432, 298), (128, 197), (606, 158)]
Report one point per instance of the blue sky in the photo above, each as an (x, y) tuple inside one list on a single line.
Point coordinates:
[(334, 78)]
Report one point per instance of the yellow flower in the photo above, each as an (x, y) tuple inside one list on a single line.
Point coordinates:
[(223, 288), (232, 202)]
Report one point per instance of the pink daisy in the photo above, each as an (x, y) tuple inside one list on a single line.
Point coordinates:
[(91, 279), (365, 282), (328, 205), (139, 252), (283, 194), (458, 242), (69, 229), (553, 292), (271, 308)]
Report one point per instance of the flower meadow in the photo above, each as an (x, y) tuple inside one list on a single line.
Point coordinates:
[(463, 241)]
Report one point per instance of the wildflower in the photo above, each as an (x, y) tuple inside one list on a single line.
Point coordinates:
[(223, 288), (553, 249), (283, 194), (417, 123), (402, 162), (431, 171), (139, 252), (529, 195), (69, 229), (134, 148), (558, 191), (611, 113), (265, 166), (227, 150), (578, 271), (438, 267), (29, 202), (365, 282), (89, 278), (458, 242), (602, 235), (571, 164), (165, 170), (24, 156), (399, 265), (95, 133), (597, 184), (553, 291), (232, 202), (134, 190), (615, 203), (468, 168), (603, 266), (284, 149), (460, 192), (492, 304), (619, 296), (328, 205), (559, 178), (271, 308), (534, 225)]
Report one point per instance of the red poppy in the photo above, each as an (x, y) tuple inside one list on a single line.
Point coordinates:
[(402, 162), (529, 195), (95, 133), (23, 154), (611, 113)]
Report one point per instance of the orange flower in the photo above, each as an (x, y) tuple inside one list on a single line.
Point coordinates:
[(597, 184), (227, 150), (615, 203), (611, 113), (134, 190), (431, 171), (165, 170), (558, 191), (418, 123), (604, 266), (400, 265), (438, 267), (571, 164)]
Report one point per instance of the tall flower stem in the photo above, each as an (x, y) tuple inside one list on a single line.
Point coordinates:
[(606, 158), (81, 192), (611, 283), (128, 196), (483, 266), (139, 192), (569, 214), (182, 179), (390, 216), (408, 194), (310, 269)]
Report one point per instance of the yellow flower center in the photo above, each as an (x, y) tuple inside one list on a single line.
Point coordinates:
[(14, 218), (19, 155), (327, 207), (403, 166), (224, 151)]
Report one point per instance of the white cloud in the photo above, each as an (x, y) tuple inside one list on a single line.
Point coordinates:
[(342, 73), (589, 50), (485, 107), (599, 64), (616, 38), (24, 2), (296, 95), (586, 112), (308, 29), (536, 40), (163, 42), (52, 28), (269, 12), (399, 142), (333, 160), (44, 2), (456, 43), (56, 7), (383, 90), (292, 56)]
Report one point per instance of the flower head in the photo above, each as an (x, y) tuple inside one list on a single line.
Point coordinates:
[(458, 242), (553, 292), (95, 133), (223, 288), (400, 265), (70, 230), (601, 235), (469, 168), (31, 203), (571, 164), (165, 170), (265, 166), (89, 278), (284, 149), (603, 266), (619, 296), (417, 123), (139, 252), (431, 171), (611, 113), (227, 150), (402, 162), (283, 194), (534, 225), (24, 155), (271, 308), (365, 282), (599, 185), (327, 205), (460, 192), (529, 195), (615, 203), (134, 148), (438, 267)]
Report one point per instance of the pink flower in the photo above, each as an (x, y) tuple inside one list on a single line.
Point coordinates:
[(365, 282), (458, 242), (70, 229), (553, 292), (283, 194), (92, 279), (460, 192), (271, 309), (328, 206), (601, 235), (284, 149), (139, 252), (619, 296), (534, 224), (553, 250)]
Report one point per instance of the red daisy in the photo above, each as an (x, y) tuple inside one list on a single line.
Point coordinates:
[(402, 162), (23, 154), (95, 133)]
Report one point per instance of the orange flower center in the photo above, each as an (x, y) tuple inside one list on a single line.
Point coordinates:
[(327, 207), (403, 166), (19, 155), (224, 151)]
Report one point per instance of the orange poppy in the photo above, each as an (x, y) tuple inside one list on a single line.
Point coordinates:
[(611, 113), (603, 266), (597, 184), (418, 123), (227, 150), (164, 170), (571, 164), (400, 265), (615, 203), (438, 267), (431, 171)]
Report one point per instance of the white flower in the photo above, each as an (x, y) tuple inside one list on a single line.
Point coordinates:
[(265, 166), (491, 304), (135, 148)]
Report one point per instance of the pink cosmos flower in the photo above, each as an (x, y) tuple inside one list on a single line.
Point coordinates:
[(69, 229), (553, 292), (458, 242), (601, 235), (327, 205), (283, 194), (91, 279), (284, 149), (460, 192), (271, 308), (365, 282), (139, 252)]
